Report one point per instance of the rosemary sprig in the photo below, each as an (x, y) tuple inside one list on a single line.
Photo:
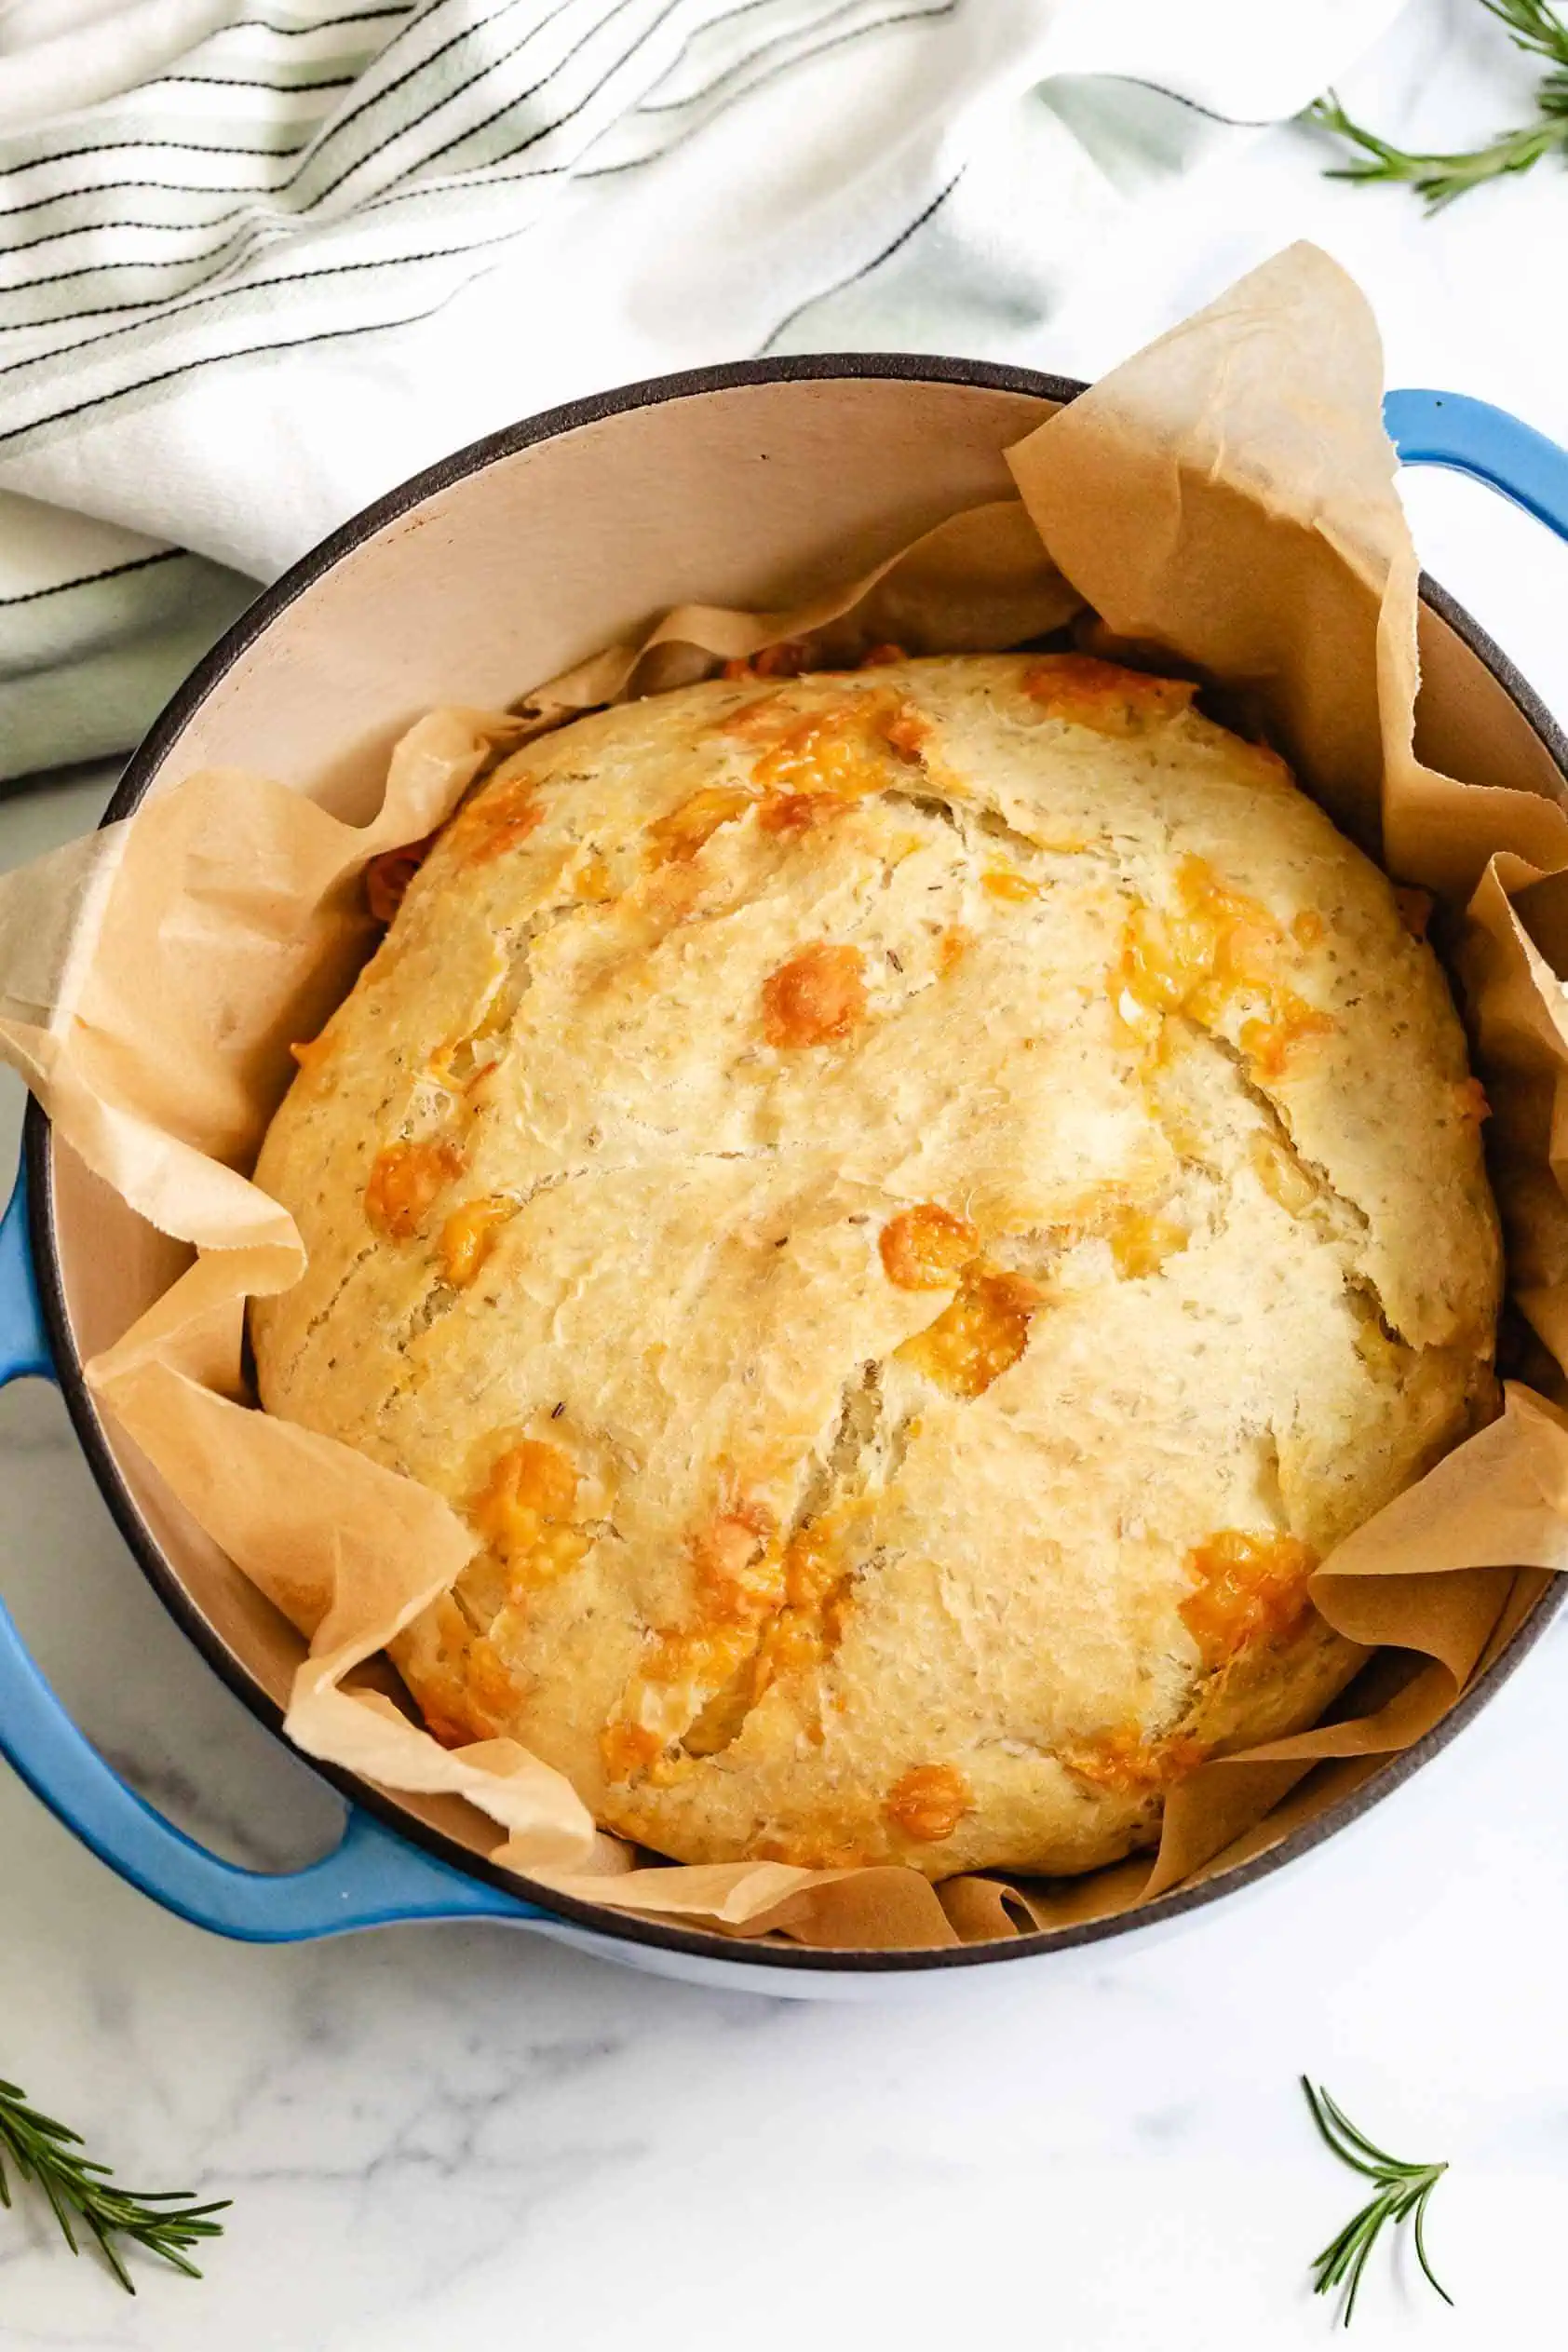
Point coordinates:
[(1402, 2190), (78, 2192), (1532, 27)]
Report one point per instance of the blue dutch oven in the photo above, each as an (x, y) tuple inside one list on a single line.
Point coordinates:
[(501, 564)]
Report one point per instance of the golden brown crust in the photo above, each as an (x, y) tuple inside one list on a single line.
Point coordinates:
[(908, 1209)]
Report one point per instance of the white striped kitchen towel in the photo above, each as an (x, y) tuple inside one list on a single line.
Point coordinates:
[(261, 259)]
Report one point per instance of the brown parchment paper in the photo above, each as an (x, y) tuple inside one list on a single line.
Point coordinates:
[(1225, 501)]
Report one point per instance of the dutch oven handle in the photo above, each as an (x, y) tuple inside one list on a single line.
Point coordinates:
[(375, 1877), (371, 1879), (1472, 437)]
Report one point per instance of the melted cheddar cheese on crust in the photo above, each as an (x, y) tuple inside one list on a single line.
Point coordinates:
[(909, 1210)]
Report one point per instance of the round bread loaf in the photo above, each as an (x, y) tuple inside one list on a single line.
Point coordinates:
[(908, 1209)]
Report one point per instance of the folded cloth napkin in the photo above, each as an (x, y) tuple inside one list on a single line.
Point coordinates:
[(261, 259)]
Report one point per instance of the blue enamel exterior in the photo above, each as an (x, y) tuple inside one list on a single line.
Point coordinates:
[(1472, 437), (375, 1877), (24, 1347)]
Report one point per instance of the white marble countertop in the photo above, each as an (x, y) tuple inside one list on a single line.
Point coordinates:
[(443, 2136)]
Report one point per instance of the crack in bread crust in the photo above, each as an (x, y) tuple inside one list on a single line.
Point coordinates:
[(861, 1456), (1280, 1124)]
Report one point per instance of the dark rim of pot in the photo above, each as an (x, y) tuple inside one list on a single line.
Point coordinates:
[(140, 772)]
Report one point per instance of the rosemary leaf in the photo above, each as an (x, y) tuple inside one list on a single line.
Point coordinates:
[(79, 2190), (1437, 179), (1402, 2194)]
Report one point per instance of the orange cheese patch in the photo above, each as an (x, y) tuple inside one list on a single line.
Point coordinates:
[(1006, 883), (1281, 1175), (1128, 1764), (678, 836), (787, 660), (740, 1571), (387, 877), (808, 1628), (1214, 946), (694, 1680), (829, 754), (812, 1565), (1193, 957), (1248, 1588), (459, 1063), (796, 1643), (952, 948), (926, 1248), (1102, 695), (760, 1610), (792, 655), (1141, 1243), (975, 1339), (405, 1182), (928, 1803), (1269, 1044), (796, 812), (907, 732), (526, 1513), (819, 761), (501, 819), (468, 1235), (703, 1656), (492, 1690), (819, 996), (682, 1671), (470, 1694), (627, 1749)]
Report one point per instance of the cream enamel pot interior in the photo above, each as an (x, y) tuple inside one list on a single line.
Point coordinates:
[(502, 565)]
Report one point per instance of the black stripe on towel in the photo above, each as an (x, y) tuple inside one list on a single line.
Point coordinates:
[(252, 81), (217, 359), (449, 97), (171, 187), (546, 129), (866, 268), (298, 31), (90, 579), (792, 33), (253, 286)]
